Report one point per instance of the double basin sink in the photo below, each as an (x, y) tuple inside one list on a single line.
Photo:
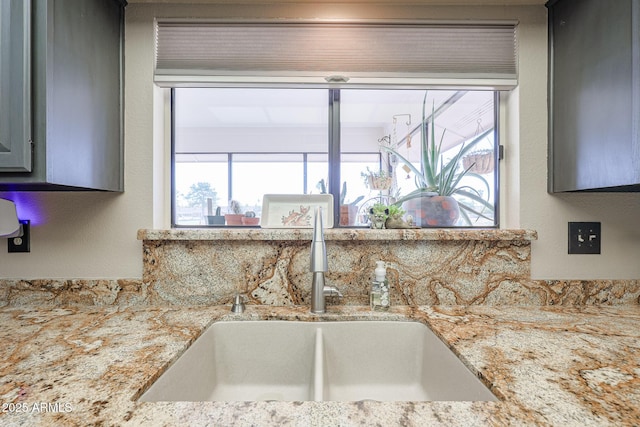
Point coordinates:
[(318, 361)]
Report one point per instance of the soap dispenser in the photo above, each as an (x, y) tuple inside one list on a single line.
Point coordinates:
[(379, 296)]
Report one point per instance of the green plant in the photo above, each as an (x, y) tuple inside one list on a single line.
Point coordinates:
[(343, 196), (322, 186), (380, 208), (234, 207), (439, 177), (390, 210), (396, 210), (377, 180)]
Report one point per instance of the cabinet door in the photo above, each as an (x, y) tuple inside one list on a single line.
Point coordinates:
[(594, 118), (15, 86), (83, 91)]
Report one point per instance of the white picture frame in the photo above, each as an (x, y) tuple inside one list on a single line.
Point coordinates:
[(295, 210)]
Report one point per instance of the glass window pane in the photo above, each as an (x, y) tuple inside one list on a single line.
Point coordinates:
[(242, 120), (462, 141), (197, 179), (241, 143), (254, 175), (265, 135), (355, 196), (317, 167)]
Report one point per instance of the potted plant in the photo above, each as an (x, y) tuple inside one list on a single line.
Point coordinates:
[(387, 216), (234, 217), (378, 215), (348, 211), (216, 219), (440, 199), (250, 218), (377, 181)]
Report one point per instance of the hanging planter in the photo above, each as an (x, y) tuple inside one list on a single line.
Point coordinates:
[(480, 162), (377, 181)]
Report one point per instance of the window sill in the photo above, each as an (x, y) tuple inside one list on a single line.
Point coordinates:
[(339, 234)]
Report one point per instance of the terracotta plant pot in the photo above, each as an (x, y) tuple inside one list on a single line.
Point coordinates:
[(348, 215), (433, 211), (246, 220), (233, 219)]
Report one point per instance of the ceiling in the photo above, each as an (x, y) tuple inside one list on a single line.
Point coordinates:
[(267, 116)]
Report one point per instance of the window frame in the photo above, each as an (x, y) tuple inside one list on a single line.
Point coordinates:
[(333, 159)]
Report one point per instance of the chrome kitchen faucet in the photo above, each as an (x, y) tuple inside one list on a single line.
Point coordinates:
[(318, 266)]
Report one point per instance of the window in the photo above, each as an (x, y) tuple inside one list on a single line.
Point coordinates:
[(241, 143)]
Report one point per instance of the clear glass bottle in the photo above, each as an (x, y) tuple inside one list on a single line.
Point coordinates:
[(379, 297)]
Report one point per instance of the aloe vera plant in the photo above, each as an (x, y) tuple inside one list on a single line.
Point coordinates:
[(442, 178)]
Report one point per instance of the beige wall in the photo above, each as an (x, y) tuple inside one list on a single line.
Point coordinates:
[(89, 235)]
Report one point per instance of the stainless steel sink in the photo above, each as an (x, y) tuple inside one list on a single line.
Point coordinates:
[(335, 361)]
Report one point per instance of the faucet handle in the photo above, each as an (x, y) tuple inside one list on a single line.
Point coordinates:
[(332, 291), (238, 304)]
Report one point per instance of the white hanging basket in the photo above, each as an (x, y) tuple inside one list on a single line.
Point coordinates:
[(480, 162), (379, 183)]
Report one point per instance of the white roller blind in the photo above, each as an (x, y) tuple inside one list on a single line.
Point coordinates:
[(314, 53)]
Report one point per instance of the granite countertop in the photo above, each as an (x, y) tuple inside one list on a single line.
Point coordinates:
[(557, 366), (340, 234)]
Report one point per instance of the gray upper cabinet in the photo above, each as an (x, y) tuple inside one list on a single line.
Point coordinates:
[(15, 86), (75, 110), (594, 95)]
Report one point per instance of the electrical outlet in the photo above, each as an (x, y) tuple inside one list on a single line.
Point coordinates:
[(584, 237), (22, 243)]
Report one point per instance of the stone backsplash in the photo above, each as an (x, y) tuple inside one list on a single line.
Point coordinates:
[(425, 267)]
